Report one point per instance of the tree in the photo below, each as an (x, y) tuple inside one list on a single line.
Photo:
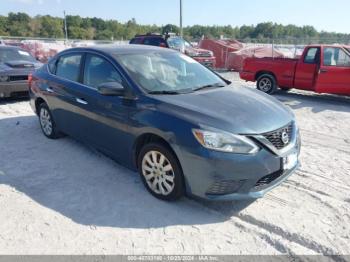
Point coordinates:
[(51, 27), (20, 24), (169, 28), (3, 24)]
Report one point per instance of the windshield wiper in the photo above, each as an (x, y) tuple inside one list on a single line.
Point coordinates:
[(164, 92), (216, 85)]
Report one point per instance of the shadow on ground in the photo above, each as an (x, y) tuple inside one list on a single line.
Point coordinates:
[(13, 100), (317, 102), (81, 184)]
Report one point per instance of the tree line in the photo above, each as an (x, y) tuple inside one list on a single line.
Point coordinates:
[(22, 25)]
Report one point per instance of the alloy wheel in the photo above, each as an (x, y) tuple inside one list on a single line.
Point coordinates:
[(265, 85), (45, 121), (158, 173)]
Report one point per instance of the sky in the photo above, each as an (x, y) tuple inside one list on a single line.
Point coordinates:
[(333, 16)]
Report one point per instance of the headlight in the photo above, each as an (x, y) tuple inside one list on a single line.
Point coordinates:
[(4, 78), (192, 53), (225, 142)]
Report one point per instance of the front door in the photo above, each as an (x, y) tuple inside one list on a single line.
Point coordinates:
[(107, 116), (307, 68), (334, 74)]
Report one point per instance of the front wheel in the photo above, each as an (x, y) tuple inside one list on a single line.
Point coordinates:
[(267, 84), (161, 172)]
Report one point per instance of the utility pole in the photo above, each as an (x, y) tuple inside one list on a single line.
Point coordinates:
[(181, 29), (65, 26)]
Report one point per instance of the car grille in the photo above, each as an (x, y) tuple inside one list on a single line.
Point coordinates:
[(18, 78), (266, 180), (225, 187), (204, 55), (275, 137)]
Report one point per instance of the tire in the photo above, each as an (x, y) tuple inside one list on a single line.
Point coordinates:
[(162, 177), (267, 84), (47, 124)]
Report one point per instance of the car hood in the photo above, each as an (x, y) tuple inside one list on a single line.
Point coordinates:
[(198, 50), (19, 66), (234, 109)]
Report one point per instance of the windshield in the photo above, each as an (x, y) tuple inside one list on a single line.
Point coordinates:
[(7, 55), (178, 43), (168, 72)]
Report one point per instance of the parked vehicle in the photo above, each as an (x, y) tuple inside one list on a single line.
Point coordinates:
[(15, 66), (203, 56), (183, 127), (321, 68)]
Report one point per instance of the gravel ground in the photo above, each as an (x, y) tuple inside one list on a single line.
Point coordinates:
[(62, 197)]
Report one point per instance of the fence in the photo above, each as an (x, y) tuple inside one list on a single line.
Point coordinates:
[(44, 48)]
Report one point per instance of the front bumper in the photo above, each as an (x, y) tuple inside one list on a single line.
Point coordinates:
[(223, 176), (16, 88)]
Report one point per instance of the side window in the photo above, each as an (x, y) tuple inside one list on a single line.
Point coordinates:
[(155, 41), (68, 67), (312, 56), (335, 56), (97, 71), (136, 41)]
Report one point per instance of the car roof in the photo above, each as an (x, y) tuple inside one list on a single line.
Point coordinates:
[(121, 49), (149, 35)]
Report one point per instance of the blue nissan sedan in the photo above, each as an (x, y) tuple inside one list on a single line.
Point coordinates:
[(183, 127)]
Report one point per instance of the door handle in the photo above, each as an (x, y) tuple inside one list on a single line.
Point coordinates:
[(81, 101), (323, 70), (49, 89)]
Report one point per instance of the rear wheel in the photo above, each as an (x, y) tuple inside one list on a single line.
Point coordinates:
[(267, 84), (160, 172), (47, 123)]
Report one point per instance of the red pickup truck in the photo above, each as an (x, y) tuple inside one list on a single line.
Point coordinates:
[(321, 68)]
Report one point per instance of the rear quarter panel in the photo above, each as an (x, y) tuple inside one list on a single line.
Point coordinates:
[(282, 68)]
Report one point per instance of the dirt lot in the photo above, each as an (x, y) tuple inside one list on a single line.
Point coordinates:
[(62, 197)]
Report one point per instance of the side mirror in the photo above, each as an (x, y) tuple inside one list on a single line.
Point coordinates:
[(111, 89)]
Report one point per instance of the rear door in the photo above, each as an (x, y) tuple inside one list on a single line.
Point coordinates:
[(334, 74), (61, 93), (307, 68)]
